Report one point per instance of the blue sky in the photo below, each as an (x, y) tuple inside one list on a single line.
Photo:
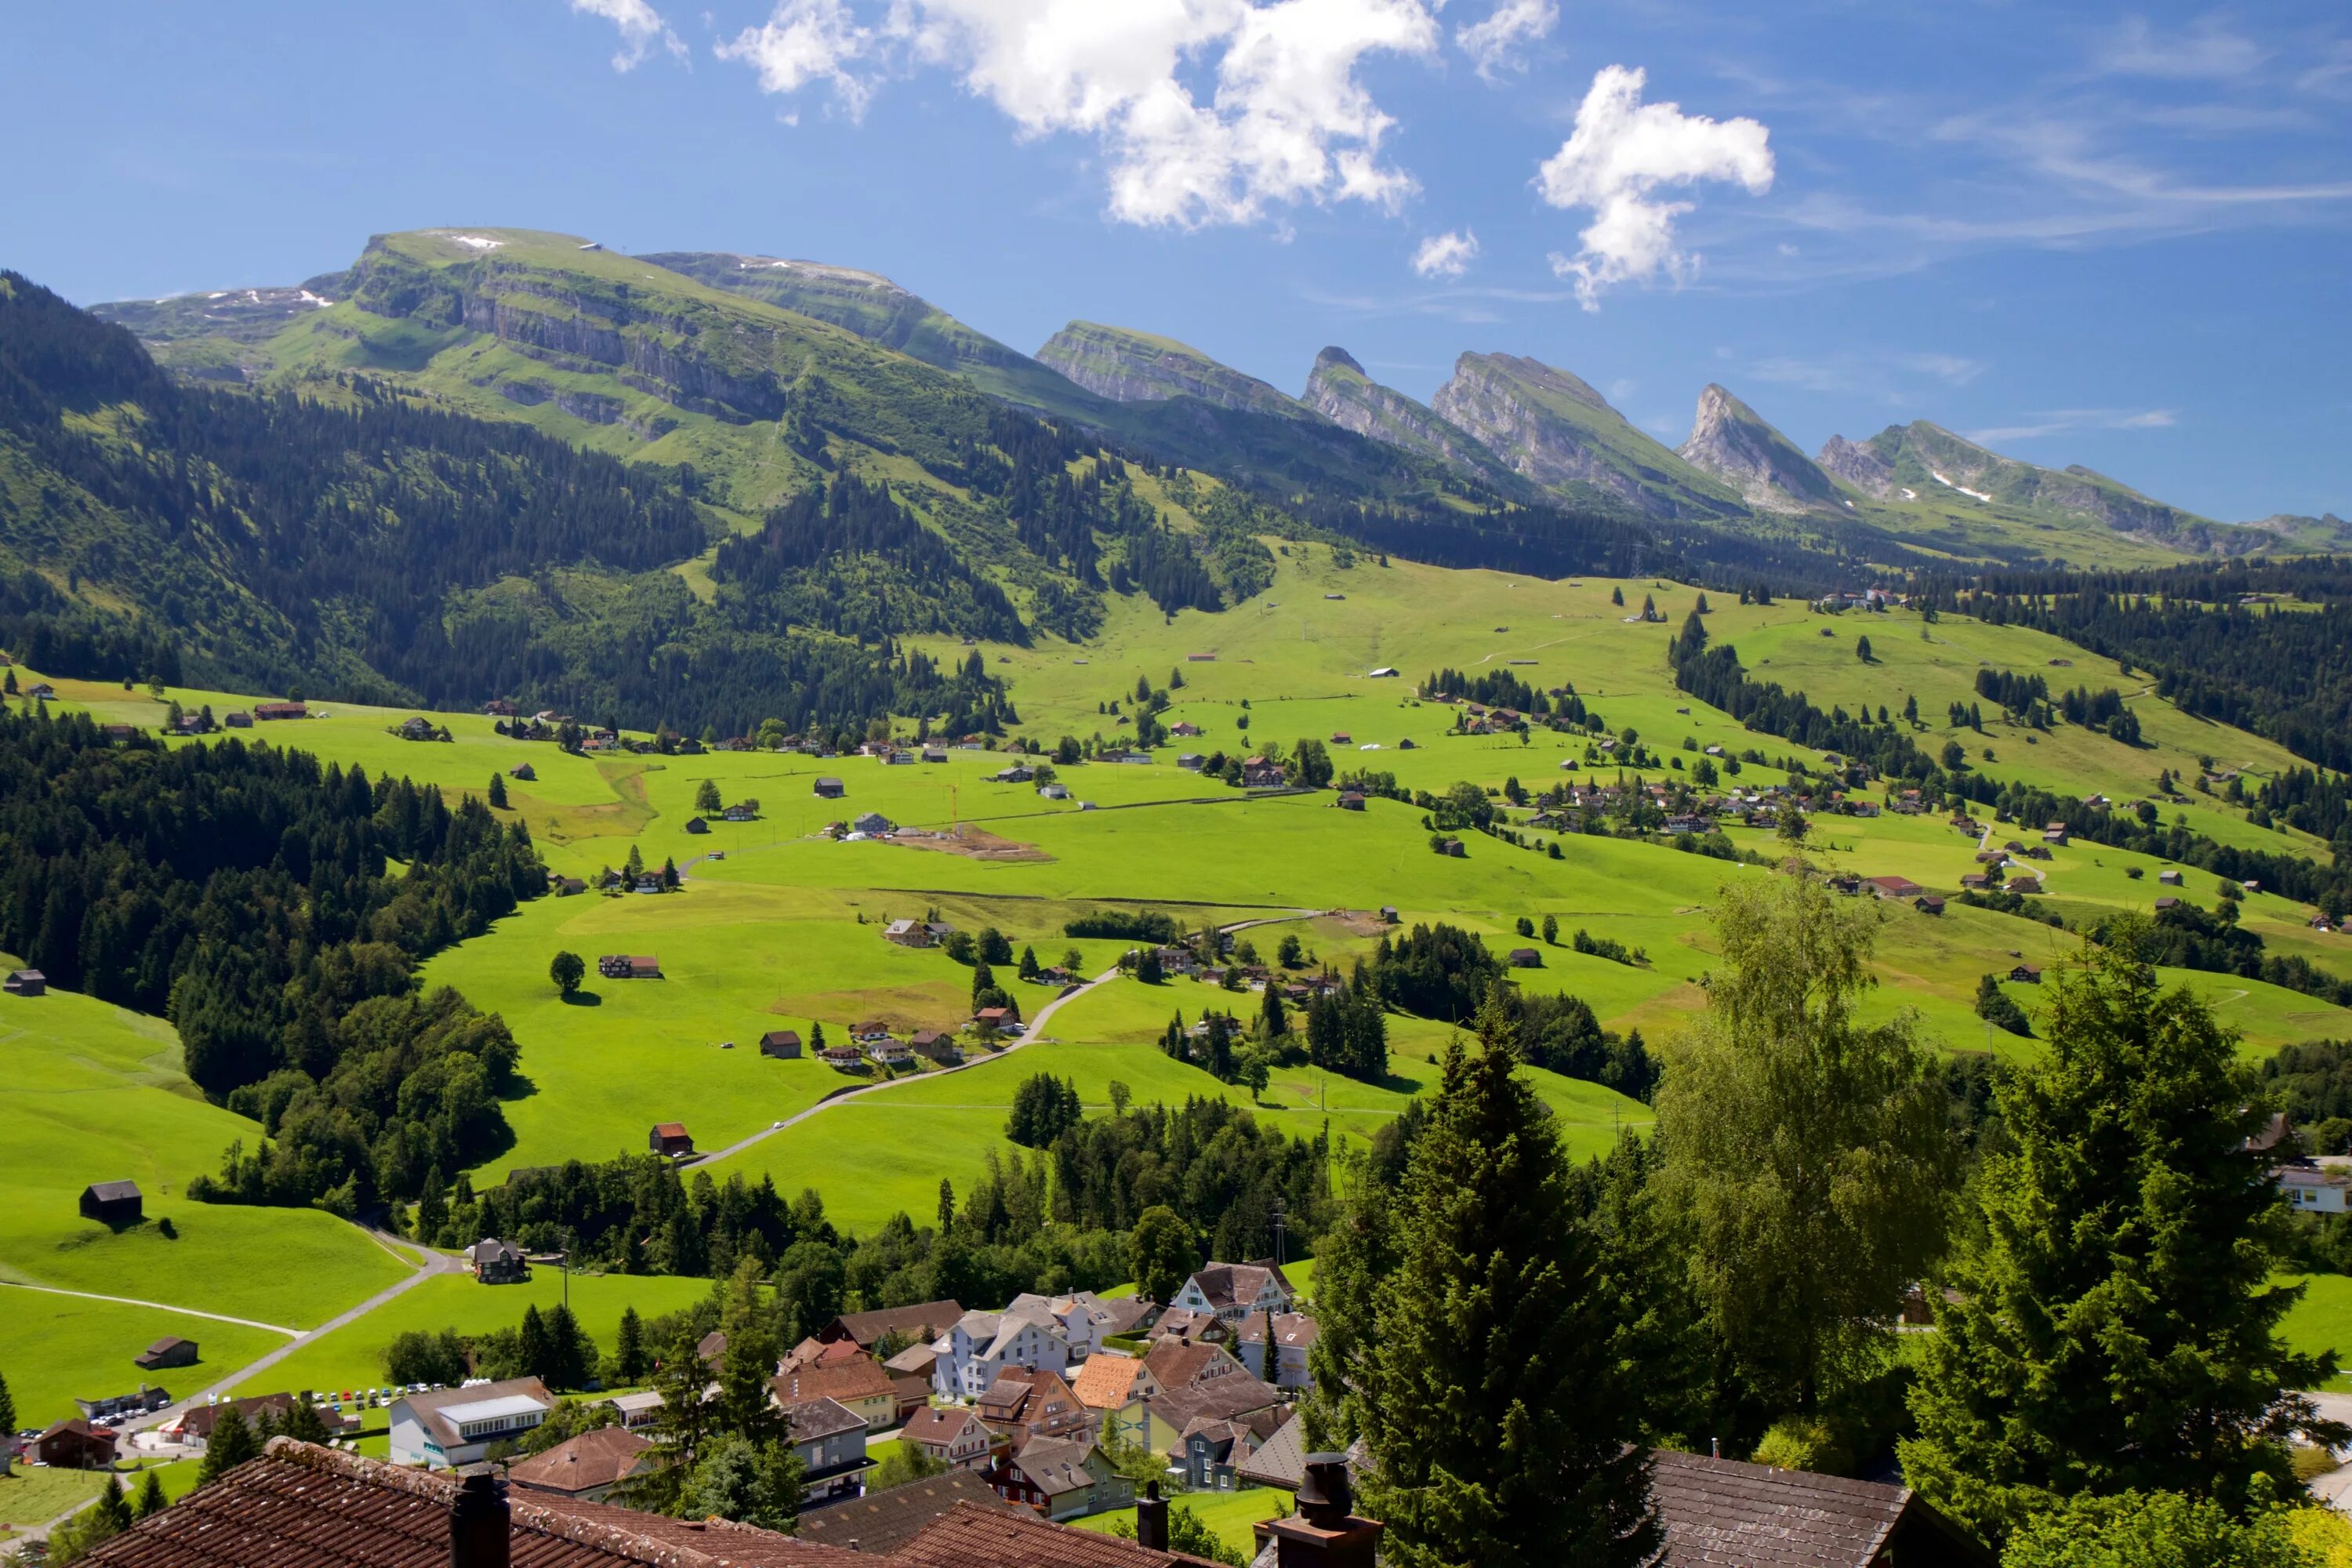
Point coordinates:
[(2113, 236)]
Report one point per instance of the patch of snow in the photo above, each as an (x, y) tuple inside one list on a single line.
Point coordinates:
[(475, 241), (1848, 505), (216, 294), (1974, 495), (1908, 493), (253, 296), (313, 299)]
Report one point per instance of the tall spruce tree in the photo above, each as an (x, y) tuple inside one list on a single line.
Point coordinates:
[(233, 1442), (2115, 1328), (1807, 1153), (1504, 1426)]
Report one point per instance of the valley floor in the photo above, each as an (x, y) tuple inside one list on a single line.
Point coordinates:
[(779, 926)]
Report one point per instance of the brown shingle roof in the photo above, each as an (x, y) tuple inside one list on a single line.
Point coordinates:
[(1721, 1511), (924, 1320), (969, 1536), (844, 1381), (300, 1505), (880, 1522), (596, 1458)]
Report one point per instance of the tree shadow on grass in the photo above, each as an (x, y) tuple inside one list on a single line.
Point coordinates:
[(584, 999)]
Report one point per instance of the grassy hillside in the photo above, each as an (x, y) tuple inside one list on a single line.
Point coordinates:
[(93, 1093)]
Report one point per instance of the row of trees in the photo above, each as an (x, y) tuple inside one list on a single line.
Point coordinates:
[(1511, 1336)]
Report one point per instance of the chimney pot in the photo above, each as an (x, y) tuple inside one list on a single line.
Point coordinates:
[(478, 1523), (1151, 1519), (1325, 1498)]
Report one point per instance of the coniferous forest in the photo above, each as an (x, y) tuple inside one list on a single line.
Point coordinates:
[(246, 892)]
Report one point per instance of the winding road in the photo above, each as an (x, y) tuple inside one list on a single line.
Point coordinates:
[(1034, 1032)]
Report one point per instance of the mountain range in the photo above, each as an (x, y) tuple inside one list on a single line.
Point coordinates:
[(496, 317)]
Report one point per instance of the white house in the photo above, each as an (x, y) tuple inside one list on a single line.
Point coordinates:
[(1234, 1290), (2312, 1190), (457, 1425), (974, 1352), (1085, 1320)]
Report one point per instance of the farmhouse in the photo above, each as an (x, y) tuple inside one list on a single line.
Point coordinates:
[(1192, 760), (455, 1426), (995, 1020), (828, 789), (24, 982), (2026, 974), (841, 1056), (669, 1138), (269, 710), (1259, 773), (1055, 791), (625, 966), (2025, 882), (1351, 800), (72, 1446), (1061, 1478), (1895, 887), (1234, 1290), (696, 825), (1526, 958), (1451, 847), (238, 719), (784, 1045), (2170, 878), (890, 1053), (1928, 904), (113, 1203), (498, 1262), (873, 823), (1024, 1403), (170, 1350), (937, 1046)]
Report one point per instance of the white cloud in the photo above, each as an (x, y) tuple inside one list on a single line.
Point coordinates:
[(2208, 50), (805, 41), (1447, 255), (641, 28), (1622, 153), (1495, 43), (1209, 111), (2060, 421)]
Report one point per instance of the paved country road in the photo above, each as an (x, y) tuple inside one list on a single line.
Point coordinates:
[(158, 1306), (1034, 1031)]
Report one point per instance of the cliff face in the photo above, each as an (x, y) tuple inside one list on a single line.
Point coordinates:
[(1136, 367), (1554, 429), (1339, 390), (1732, 441), (1858, 465)]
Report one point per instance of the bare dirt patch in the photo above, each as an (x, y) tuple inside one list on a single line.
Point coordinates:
[(1360, 922), (972, 843)]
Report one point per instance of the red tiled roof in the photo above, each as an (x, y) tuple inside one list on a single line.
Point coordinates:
[(300, 1505), (969, 1536), (844, 1381)]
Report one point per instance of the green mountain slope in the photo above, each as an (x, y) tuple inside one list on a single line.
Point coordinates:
[(874, 307), (1925, 462), (1128, 366), (1552, 428), (1339, 390)]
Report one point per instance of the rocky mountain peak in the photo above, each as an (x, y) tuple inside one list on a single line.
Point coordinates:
[(1128, 366), (1734, 443)]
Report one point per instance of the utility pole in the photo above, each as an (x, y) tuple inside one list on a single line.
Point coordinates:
[(1278, 1259)]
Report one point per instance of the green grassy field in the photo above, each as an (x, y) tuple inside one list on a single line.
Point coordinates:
[(93, 1093), (1228, 1514), (784, 931), (352, 1357), (2322, 1320)]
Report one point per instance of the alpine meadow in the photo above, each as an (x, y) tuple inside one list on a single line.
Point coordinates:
[(663, 905)]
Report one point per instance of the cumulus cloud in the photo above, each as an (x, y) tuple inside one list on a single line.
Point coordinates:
[(1447, 255), (641, 27), (1621, 155), (1497, 44), (1209, 111), (805, 41)]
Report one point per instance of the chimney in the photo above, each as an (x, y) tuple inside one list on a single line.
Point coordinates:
[(1326, 1533), (478, 1523), (1151, 1519)]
